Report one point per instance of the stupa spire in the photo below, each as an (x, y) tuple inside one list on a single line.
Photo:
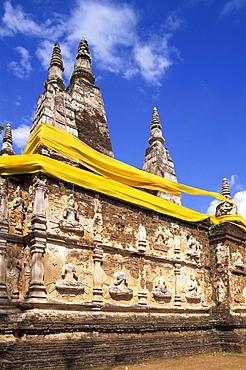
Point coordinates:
[(83, 50), (155, 129), (225, 190), (7, 146), (82, 66), (157, 158), (56, 59), (155, 119), (55, 71), (226, 208)]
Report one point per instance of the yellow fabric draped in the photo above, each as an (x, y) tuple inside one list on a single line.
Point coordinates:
[(70, 146), (112, 177)]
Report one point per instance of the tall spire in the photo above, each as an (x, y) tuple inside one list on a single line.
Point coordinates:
[(225, 189), (56, 59), (157, 158), (82, 66), (83, 50), (55, 71), (7, 146), (226, 208), (155, 129)]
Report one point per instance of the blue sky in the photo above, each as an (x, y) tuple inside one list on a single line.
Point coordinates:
[(186, 57)]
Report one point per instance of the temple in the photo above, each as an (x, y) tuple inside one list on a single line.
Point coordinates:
[(100, 265)]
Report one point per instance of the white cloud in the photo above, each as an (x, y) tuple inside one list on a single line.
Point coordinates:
[(212, 207), (15, 21), (240, 199), (112, 30), (21, 69), (232, 6), (21, 135), (109, 28), (44, 52), (173, 22), (153, 58)]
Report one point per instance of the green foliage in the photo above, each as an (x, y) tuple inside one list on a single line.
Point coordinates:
[(1, 129), (123, 245), (153, 323)]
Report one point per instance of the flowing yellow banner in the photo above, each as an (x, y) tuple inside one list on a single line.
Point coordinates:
[(112, 177), (71, 147)]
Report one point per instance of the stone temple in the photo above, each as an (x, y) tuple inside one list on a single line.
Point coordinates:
[(88, 279)]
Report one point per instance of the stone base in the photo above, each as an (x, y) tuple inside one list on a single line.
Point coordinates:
[(57, 339), (37, 292)]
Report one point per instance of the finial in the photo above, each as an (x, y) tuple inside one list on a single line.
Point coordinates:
[(8, 134), (7, 147), (83, 50), (155, 119), (225, 190), (82, 66), (155, 129), (56, 59), (226, 208)]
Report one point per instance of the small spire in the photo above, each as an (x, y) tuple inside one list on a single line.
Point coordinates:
[(83, 50), (225, 190), (155, 129), (82, 66), (56, 59), (156, 123), (55, 71), (8, 134), (7, 147), (226, 208)]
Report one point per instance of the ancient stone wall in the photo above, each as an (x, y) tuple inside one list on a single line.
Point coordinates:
[(81, 265)]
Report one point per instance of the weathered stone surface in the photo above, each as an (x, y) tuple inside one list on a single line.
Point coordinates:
[(157, 158), (88, 280)]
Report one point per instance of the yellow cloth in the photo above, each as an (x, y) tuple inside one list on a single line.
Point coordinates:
[(70, 146), (58, 140), (32, 163)]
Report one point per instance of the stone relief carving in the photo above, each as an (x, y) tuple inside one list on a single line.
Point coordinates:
[(220, 291), (192, 291), (222, 255), (27, 267), (160, 288), (166, 239), (141, 243), (176, 240), (69, 283), (163, 239), (3, 200), (13, 276), (238, 258), (17, 212), (239, 296), (193, 252), (30, 205), (97, 220), (120, 287), (71, 220), (226, 208)]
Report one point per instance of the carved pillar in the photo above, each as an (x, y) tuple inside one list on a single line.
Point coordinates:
[(225, 240), (177, 296), (3, 205), (177, 246), (97, 278), (3, 288), (3, 229), (38, 242)]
